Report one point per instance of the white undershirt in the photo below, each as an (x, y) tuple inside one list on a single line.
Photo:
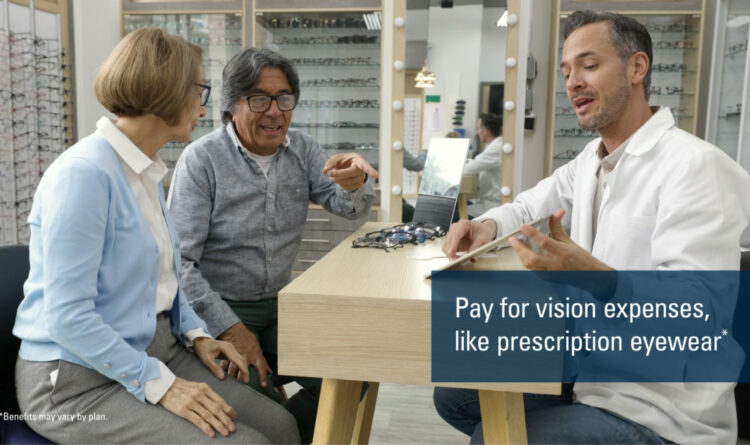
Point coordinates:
[(264, 162)]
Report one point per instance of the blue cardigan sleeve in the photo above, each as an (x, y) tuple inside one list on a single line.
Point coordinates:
[(74, 231)]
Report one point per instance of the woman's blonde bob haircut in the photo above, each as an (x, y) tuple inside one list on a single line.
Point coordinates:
[(149, 72)]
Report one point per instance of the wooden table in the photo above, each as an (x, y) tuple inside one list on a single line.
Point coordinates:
[(363, 315), (469, 190)]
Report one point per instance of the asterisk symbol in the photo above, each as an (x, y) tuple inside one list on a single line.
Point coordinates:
[(724, 332)]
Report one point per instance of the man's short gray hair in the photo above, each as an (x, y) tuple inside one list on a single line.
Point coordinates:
[(241, 74), (627, 34)]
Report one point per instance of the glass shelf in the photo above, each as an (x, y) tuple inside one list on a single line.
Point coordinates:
[(591, 136), (672, 95), (360, 45), (685, 33), (729, 78), (305, 127), (673, 72), (735, 53), (335, 87), (350, 65), (674, 49), (314, 31), (301, 107), (349, 148)]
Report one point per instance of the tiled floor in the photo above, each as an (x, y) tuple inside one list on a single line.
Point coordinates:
[(405, 414)]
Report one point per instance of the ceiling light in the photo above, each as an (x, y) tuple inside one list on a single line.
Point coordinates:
[(425, 78), (372, 21)]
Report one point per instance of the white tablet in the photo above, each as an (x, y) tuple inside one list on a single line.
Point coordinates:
[(541, 224)]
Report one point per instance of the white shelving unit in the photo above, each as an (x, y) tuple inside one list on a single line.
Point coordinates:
[(729, 94)]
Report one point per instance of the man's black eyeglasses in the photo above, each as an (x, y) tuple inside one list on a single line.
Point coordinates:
[(261, 103), (205, 93)]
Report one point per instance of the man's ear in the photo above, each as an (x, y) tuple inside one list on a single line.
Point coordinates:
[(639, 64)]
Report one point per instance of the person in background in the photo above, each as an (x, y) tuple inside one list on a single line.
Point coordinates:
[(106, 332), (240, 196), (645, 195), (487, 164)]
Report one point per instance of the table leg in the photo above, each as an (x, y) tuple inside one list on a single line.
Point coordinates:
[(503, 417), (463, 210), (337, 411), (363, 424)]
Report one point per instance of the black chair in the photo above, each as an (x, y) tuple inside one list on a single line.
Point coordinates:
[(742, 390), (14, 268)]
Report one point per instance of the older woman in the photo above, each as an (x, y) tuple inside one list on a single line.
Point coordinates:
[(104, 324)]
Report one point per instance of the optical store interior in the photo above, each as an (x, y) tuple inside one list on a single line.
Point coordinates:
[(394, 121)]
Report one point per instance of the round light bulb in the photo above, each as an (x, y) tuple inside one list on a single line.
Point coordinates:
[(396, 190), (512, 19), (398, 146), (510, 62), (507, 148), (399, 22), (505, 191), (398, 65), (509, 105), (397, 105)]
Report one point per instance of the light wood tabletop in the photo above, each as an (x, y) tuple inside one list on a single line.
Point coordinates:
[(363, 315)]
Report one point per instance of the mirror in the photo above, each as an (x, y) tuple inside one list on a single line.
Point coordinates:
[(441, 181), (445, 163), (464, 46)]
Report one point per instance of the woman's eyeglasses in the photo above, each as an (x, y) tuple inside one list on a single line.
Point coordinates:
[(205, 93)]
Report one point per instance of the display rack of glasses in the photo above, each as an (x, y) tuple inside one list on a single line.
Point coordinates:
[(728, 126), (676, 37), (338, 60), (35, 119), (221, 37)]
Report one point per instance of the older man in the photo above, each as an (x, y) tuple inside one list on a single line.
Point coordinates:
[(239, 197), (646, 195)]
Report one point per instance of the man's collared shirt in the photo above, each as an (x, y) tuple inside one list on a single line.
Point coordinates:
[(264, 162), (239, 228)]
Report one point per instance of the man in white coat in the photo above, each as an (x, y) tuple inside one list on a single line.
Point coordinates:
[(488, 164), (645, 195)]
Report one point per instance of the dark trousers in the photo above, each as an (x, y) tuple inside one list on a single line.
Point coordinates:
[(261, 318)]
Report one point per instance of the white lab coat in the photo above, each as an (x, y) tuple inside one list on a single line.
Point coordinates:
[(488, 165), (675, 202)]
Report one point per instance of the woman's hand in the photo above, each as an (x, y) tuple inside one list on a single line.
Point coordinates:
[(208, 350), (199, 404)]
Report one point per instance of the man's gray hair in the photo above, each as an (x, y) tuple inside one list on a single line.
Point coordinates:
[(627, 34), (241, 74)]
